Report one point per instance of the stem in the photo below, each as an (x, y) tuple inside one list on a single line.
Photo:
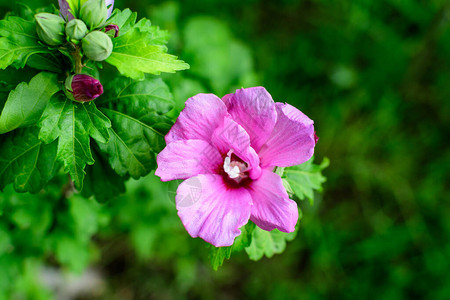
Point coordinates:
[(77, 57)]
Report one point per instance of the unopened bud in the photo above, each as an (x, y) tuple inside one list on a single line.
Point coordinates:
[(97, 46), (50, 28), (94, 13), (76, 29), (83, 88)]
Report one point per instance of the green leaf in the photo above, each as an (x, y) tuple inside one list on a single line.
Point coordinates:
[(268, 243), (73, 123), (18, 42), (26, 161), (101, 181), (26, 103), (219, 254), (125, 19), (140, 51), (136, 111), (305, 178)]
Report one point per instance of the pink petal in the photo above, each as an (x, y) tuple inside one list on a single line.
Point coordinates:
[(208, 209), (202, 114), (292, 141), (254, 109), (184, 159), (231, 136), (272, 207)]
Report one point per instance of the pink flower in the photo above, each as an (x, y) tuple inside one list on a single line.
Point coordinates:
[(227, 150)]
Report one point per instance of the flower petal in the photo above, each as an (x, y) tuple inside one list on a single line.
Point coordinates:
[(292, 141), (208, 209), (64, 10), (110, 4), (202, 114), (272, 207), (184, 159), (231, 136), (254, 109)]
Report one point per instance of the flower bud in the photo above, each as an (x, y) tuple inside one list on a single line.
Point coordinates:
[(97, 46), (112, 27), (83, 88), (94, 13), (76, 29), (50, 28)]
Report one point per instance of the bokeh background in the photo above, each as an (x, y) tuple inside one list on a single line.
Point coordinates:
[(375, 78)]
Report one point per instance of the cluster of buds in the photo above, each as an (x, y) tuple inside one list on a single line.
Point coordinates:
[(81, 26)]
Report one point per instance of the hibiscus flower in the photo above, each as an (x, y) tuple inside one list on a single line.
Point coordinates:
[(227, 150)]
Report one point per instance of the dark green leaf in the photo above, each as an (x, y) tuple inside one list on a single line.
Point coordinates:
[(18, 42), (26, 103), (305, 178), (101, 181), (26, 161), (136, 111), (73, 123)]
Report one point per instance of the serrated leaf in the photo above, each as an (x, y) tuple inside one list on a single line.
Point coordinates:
[(101, 181), (18, 42), (26, 103), (26, 161), (140, 51), (268, 243), (136, 111), (72, 124), (305, 178), (125, 19)]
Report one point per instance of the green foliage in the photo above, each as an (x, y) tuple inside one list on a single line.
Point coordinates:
[(72, 124), (18, 41), (303, 179), (136, 111), (142, 51), (26, 103), (268, 243), (224, 62), (26, 161)]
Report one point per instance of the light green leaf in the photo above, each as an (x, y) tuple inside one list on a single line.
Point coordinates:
[(136, 111), (26, 161), (138, 52), (305, 178), (18, 42), (26, 103), (268, 243), (73, 123)]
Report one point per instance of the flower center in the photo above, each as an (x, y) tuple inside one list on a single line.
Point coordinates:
[(234, 167)]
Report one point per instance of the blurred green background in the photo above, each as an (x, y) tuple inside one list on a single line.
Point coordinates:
[(375, 78)]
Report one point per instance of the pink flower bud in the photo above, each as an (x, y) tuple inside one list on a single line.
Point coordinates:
[(316, 138), (83, 87), (113, 27)]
